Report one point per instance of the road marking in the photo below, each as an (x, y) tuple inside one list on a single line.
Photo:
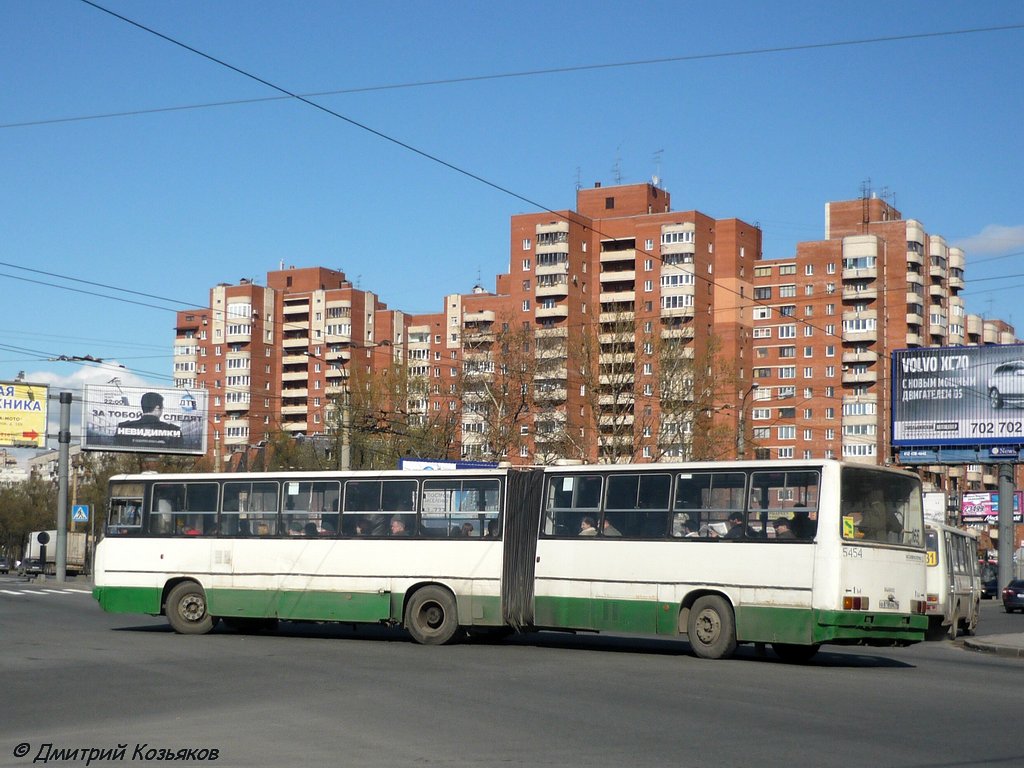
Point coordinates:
[(54, 591), (80, 591), (11, 592)]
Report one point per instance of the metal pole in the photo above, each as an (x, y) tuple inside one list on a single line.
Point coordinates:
[(1006, 541), (63, 451)]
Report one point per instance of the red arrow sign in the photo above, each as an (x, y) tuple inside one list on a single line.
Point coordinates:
[(30, 435)]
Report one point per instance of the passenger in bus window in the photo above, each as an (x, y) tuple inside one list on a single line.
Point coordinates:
[(588, 527), (398, 527), (782, 530), (692, 530), (805, 522), (493, 529), (609, 529), (310, 530), (737, 523), (468, 530), (243, 528)]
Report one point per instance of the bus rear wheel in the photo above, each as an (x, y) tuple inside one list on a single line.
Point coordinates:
[(186, 609), (795, 654), (431, 616), (711, 628)]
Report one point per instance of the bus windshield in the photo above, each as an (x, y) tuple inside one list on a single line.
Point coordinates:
[(882, 508)]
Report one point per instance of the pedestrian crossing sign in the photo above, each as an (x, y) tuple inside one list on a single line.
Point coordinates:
[(80, 513)]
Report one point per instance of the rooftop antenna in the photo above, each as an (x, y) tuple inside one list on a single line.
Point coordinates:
[(617, 168), (656, 179), (579, 183)]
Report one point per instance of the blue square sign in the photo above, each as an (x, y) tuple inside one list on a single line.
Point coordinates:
[(80, 513)]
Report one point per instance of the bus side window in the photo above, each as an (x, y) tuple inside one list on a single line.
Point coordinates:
[(571, 498)]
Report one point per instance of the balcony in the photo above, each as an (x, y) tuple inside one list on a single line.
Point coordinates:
[(913, 257), (483, 316), (291, 342), (560, 267), (612, 257), (859, 377), (618, 276), (864, 314), (618, 297), (295, 309), (677, 332), (860, 273), (860, 357), (552, 333), (677, 312), (860, 292), (555, 289), (559, 310)]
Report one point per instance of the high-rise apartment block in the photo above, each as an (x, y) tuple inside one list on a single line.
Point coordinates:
[(623, 330)]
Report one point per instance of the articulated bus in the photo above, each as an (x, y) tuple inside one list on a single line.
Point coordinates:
[(792, 554), (953, 580)]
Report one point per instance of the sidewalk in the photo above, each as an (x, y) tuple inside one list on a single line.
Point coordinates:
[(1000, 645)]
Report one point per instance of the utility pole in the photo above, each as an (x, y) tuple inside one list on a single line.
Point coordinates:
[(63, 452), (741, 434)]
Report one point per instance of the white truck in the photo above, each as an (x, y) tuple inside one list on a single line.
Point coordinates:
[(32, 563)]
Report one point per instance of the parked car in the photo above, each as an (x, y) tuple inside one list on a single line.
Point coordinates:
[(1013, 596), (989, 580), (5, 565), (1006, 384)]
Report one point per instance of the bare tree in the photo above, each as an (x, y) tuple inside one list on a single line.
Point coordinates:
[(497, 387)]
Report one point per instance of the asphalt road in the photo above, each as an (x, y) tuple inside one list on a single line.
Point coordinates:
[(75, 677)]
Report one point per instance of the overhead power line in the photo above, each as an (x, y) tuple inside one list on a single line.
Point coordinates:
[(510, 75)]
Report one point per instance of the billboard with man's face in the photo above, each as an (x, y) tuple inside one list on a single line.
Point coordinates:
[(149, 420), (958, 396)]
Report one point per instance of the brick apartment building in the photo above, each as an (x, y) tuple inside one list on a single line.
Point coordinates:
[(828, 320), (609, 317)]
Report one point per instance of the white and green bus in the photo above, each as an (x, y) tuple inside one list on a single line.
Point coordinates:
[(953, 580), (795, 554)]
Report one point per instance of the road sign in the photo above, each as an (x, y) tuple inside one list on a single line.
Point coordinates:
[(80, 513)]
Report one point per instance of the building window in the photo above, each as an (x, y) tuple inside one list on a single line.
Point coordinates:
[(526, 244), (526, 305), (526, 265)]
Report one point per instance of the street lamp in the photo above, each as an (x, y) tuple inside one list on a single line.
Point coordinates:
[(741, 434)]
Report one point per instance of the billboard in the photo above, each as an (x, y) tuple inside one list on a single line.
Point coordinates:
[(959, 396), (149, 420), (23, 414), (983, 507)]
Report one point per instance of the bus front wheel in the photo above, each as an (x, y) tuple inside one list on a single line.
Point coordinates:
[(711, 628), (186, 609), (431, 616)]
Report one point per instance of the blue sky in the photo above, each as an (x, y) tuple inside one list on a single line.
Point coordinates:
[(169, 203)]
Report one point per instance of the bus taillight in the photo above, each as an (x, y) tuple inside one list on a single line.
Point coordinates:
[(851, 603)]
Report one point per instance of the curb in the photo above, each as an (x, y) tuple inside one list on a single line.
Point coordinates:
[(997, 650)]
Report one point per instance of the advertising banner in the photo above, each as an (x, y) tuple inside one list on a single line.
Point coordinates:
[(958, 396), (149, 420), (983, 507), (23, 414)]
